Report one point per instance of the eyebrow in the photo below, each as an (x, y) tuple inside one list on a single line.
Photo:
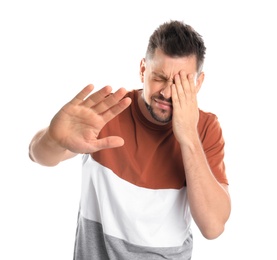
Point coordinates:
[(162, 76)]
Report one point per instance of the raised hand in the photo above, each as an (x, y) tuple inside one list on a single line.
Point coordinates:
[(77, 125), (185, 107)]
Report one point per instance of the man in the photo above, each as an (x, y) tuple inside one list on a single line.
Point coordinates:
[(151, 158)]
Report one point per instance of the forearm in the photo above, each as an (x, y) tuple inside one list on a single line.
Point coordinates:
[(209, 200), (45, 151)]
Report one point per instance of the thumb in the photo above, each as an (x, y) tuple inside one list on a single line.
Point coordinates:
[(106, 143)]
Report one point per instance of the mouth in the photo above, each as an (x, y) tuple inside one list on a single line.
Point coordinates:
[(162, 104)]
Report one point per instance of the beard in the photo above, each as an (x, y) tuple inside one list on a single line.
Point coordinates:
[(161, 116)]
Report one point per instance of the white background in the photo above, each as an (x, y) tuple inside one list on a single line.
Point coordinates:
[(49, 50)]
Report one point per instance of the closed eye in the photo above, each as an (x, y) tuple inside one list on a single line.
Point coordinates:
[(159, 80)]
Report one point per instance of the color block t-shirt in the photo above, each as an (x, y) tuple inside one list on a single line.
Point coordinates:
[(133, 202)]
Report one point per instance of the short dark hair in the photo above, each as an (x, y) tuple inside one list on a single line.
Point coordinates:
[(177, 39)]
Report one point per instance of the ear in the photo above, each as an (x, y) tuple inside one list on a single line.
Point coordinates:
[(142, 69), (199, 81)]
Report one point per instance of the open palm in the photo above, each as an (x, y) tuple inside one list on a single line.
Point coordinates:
[(77, 125)]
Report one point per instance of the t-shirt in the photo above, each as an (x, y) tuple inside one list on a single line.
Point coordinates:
[(133, 200)]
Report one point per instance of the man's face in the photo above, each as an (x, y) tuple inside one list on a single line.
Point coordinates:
[(157, 75)]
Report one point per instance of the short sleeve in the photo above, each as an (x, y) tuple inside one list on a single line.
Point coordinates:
[(213, 143)]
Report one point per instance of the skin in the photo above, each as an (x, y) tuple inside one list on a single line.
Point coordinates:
[(170, 91), (74, 129)]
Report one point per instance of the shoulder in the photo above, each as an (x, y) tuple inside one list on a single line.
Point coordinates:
[(204, 116), (206, 119), (132, 93), (209, 126)]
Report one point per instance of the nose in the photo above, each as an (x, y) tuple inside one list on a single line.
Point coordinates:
[(166, 91)]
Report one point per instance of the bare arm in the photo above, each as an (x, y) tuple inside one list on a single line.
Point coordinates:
[(75, 128), (45, 151), (209, 200)]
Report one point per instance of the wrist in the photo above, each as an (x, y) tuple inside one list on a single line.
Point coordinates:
[(51, 143), (191, 142)]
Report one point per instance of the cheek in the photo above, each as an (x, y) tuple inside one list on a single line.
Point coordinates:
[(146, 95), (152, 88)]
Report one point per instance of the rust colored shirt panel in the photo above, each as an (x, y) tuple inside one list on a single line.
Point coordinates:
[(151, 156)]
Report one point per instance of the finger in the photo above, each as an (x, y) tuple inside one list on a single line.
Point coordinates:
[(192, 83), (105, 143), (116, 109), (97, 97), (175, 98), (188, 81), (185, 83), (179, 87), (110, 101), (82, 94)]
